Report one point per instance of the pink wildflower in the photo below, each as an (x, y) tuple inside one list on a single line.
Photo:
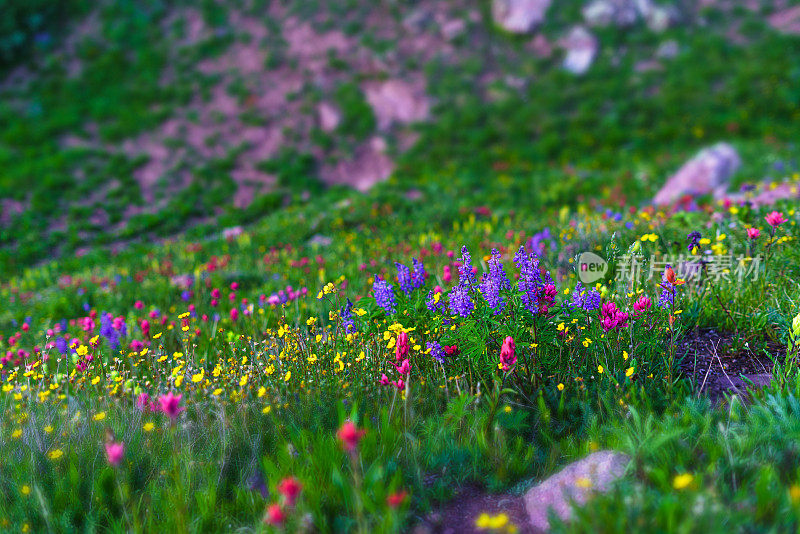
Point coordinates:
[(401, 349), (170, 405), (350, 435), (114, 452), (643, 304), (508, 354), (753, 233), (775, 219)]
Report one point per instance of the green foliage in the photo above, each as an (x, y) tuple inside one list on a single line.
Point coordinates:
[(358, 120)]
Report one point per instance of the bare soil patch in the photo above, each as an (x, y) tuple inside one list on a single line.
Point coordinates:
[(458, 516), (722, 362)]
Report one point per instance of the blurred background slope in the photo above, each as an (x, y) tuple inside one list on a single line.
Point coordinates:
[(126, 121)]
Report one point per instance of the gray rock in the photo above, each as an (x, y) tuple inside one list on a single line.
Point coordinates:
[(709, 171), (668, 49), (320, 240), (620, 13), (574, 484), (519, 16), (452, 29), (626, 13), (767, 194), (581, 47), (397, 101), (329, 117), (786, 20)]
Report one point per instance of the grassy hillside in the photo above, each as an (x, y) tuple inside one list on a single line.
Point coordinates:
[(198, 333), (91, 154)]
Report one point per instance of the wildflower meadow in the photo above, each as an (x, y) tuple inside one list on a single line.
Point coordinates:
[(219, 314)]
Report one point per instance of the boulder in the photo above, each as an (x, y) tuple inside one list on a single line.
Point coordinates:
[(626, 13), (397, 101), (581, 47), (519, 16), (786, 20), (620, 13), (668, 49), (574, 484), (328, 116), (709, 171)]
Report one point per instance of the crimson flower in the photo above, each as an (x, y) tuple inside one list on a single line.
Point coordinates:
[(290, 488), (397, 498), (275, 515), (350, 435)]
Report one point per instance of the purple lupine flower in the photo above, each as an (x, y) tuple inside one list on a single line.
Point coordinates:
[(108, 331), (460, 301), (384, 295), (490, 290), (346, 314), (591, 301), (437, 352), (530, 281), (61, 345), (667, 297), (418, 274), (433, 305), (497, 272), (694, 240), (494, 282), (404, 278), (541, 241), (465, 273), (587, 299)]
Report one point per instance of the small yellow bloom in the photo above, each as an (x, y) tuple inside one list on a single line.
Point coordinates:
[(682, 481), (600, 369), (583, 482), (287, 376), (99, 416), (629, 372), (266, 409), (148, 426), (560, 387), (25, 490), (55, 454), (16, 434), (794, 493)]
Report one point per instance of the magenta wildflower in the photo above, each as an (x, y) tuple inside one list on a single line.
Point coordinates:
[(775, 219), (170, 405), (401, 349), (114, 452), (508, 353)]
